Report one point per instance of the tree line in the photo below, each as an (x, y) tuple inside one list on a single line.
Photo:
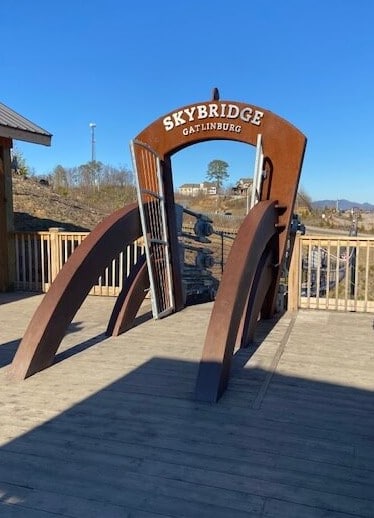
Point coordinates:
[(91, 175), (89, 178), (95, 176)]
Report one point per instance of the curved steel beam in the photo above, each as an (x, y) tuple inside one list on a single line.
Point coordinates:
[(236, 288), (262, 281), (129, 300), (71, 286)]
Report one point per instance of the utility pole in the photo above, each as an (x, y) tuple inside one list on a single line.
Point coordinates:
[(93, 141)]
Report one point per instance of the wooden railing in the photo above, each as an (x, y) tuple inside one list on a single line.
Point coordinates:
[(332, 273), (41, 255)]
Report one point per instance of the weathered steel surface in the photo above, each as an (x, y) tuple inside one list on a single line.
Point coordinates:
[(264, 277), (283, 148), (146, 167), (176, 267), (245, 271), (71, 286), (129, 300)]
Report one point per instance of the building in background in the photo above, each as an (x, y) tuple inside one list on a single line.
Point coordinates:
[(242, 186), (195, 189)]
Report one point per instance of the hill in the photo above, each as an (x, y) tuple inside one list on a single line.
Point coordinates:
[(38, 207), (343, 205)]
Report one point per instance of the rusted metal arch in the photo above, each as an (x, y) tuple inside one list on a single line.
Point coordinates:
[(246, 270), (129, 300), (283, 148), (265, 275), (71, 286)]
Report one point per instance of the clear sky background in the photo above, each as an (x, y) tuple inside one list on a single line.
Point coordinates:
[(124, 64)]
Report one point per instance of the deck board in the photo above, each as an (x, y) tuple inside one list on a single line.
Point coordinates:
[(112, 429)]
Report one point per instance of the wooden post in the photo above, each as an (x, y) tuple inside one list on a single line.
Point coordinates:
[(56, 252), (7, 249), (294, 276)]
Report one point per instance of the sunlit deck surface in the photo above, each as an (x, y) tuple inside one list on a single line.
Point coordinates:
[(112, 429)]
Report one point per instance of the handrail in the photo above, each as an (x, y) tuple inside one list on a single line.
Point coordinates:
[(40, 256), (332, 272)]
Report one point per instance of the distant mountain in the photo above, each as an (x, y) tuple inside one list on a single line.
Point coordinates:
[(343, 205)]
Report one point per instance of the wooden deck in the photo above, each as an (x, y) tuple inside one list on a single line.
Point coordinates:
[(112, 430)]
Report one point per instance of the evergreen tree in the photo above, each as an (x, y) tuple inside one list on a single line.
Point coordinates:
[(217, 172)]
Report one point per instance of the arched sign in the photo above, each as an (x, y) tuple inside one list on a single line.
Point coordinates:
[(227, 120), (283, 147)]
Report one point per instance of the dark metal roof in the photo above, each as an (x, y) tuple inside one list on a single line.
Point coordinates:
[(14, 126)]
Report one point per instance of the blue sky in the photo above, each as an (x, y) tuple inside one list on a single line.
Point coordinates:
[(122, 65)]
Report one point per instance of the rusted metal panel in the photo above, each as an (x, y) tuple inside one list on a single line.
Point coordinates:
[(153, 215), (283, 148), (130, 299), (237, 284), (71, 286)]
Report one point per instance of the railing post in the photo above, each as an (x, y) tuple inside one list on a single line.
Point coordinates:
[(222, 252), (294, 276), (7, 247), (55, 252)]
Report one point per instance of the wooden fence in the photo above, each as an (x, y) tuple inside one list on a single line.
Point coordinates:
[(325, 272), (41, 255), (334, 273)]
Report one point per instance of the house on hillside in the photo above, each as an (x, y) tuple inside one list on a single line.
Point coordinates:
[(195, 189), (242, 186)]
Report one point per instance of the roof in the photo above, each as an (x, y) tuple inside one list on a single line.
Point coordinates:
[(15, 126)]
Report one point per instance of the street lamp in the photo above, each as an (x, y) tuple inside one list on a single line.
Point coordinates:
[(93, 141)]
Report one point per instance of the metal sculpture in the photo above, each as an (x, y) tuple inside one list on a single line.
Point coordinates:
[(129, 300), (249, 272), (71, 286), (250, 281)]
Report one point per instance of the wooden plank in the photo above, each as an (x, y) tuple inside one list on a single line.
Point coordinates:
[(12, 510), (22, 501), (279, 508), (126, 487), (117, 425), (243, 492)]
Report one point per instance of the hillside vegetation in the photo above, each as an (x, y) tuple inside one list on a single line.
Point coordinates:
[(39, 206)]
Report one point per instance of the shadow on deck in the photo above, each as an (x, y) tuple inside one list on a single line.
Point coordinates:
[(76, 444)]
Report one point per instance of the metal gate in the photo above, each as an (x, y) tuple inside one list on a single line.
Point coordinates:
[(151, 199)]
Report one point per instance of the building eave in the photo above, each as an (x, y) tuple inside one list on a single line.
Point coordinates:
[(26, 136), (15, 126)]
